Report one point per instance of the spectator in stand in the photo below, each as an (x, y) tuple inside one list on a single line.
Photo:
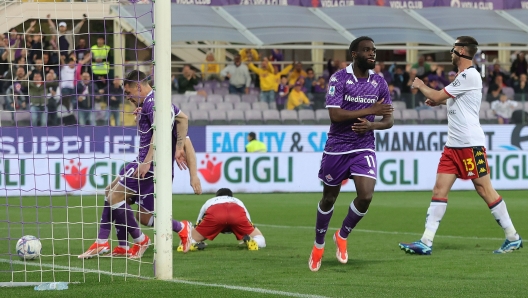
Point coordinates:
[(37, 48), (81, 49), (283, 91), (66, 37), (85, 98), (268, 81), (497, 71), (377, 70), (400, 79), (174, 84), (38, 67), (238, 75), (386, 74), (332, 66), (422, 67), (47, 65), (433, 83), (249, 55), (4, 65), (37, 98), (297, 100), (100, 65), (343, 65), (503, 108), (521, 88), (210, 69), (394, 95), (187, 80), (81, 66), (53, 49), (67, 84), (494, 93), (276, 55), (519, 66), (319, 92), (309, 81), (17, 98), (297, 72), (53, 98), (451, 76), (116, 99)]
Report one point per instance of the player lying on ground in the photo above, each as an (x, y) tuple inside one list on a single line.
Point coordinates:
[(137, 178), (464, 154), (226, 214), (355, 95)]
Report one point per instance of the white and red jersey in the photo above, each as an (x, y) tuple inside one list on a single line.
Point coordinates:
[(463, 106), (221, 200)]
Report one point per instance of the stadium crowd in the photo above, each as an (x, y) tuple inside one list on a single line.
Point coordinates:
[(59, 78), (261, 82), (65, 78)]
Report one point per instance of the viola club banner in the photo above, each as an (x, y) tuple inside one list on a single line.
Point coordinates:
[(402, 4), (244, 173), (400, 138)]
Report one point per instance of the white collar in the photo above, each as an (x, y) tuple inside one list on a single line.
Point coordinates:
[(351, 71)]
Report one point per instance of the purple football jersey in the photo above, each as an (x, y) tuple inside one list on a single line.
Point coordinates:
[(145, 122), (347, 92)]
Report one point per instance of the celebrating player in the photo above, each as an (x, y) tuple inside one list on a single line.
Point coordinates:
[(355, 95), (227, 214), (136, 179), (464, 154)]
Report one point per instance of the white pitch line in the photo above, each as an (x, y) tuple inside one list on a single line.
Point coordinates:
[(381, 232), (179, 281), (356, 230)]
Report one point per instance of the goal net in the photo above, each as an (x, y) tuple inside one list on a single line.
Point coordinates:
[(67, 132)]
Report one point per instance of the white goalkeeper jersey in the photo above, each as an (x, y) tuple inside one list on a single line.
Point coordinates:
[(221, 200), (463, 106)]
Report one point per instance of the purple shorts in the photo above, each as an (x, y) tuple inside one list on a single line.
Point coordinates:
[(142, 188), (337, 168)]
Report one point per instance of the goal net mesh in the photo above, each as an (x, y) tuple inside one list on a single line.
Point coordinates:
[(66, 133)]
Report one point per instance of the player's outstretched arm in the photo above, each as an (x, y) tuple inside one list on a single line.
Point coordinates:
[(182, 128), (436, 97), (191, 163)]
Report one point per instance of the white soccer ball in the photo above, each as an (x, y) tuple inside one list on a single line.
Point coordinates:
[(28, 247)]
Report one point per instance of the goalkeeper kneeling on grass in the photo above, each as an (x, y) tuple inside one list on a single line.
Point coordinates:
[(225, 214)]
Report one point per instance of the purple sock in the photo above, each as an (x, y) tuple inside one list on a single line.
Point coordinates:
[(176, 226), (350, 221), (321, 225), (122, 236), (124, 217), (105, 226)]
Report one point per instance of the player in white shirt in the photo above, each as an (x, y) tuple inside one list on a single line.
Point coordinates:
[(464, 154), (226, 214)]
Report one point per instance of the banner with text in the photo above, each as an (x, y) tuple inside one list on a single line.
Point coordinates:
[(312, 138), (401, 4), (251, 173), (98, 140)]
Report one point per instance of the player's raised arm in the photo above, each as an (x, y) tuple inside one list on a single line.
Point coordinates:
[(191, 163)]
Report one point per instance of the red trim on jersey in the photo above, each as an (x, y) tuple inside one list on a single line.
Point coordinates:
[(448, 93)]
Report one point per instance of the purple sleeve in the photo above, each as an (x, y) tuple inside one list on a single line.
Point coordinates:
[(384, 92), (176, 110), (335, 93)]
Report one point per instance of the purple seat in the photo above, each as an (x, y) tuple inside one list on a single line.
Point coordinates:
[(196, 98), (215, 98), (232, 98), (249, 98), (221, 91), (224, 106)]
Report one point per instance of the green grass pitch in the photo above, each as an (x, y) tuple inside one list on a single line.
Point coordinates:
[(462, 263)]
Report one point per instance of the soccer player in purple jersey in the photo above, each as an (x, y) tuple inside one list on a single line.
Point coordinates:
[(355, 96), (137, 178)]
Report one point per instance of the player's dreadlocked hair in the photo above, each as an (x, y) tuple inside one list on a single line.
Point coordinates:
[(224, 192), (355, 43)]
